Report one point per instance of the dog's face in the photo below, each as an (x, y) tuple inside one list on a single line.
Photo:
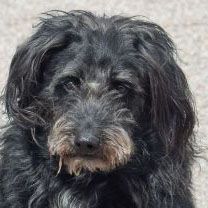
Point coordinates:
[(96, 85), (93, 115), (94, 89)]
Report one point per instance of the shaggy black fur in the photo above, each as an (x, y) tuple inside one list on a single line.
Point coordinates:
[(136, 86)]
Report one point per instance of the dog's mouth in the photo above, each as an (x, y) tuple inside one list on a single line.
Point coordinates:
[(105, 160), (77, 164)]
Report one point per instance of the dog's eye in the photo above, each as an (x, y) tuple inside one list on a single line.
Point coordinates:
[(122, 87), (71, 82), (68, 83)]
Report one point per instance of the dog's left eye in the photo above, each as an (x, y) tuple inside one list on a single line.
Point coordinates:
[(122, 87)]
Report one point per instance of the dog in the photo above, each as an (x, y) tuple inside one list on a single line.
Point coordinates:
[(100, 116)]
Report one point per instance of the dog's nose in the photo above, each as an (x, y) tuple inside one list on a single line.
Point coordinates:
[(87, 144)]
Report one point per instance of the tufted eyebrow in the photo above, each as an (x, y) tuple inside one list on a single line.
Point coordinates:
[(126, 76), (71, 71), (129, 77)]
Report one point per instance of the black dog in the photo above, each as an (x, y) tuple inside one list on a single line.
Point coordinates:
[(100, 117)]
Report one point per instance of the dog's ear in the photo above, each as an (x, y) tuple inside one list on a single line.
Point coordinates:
[(27, 68), (171, 109), (170, 106)]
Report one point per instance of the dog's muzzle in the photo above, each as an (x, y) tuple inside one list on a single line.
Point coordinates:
[(87, 152)]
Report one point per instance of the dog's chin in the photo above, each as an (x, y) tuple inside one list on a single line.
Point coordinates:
[(80, 164)]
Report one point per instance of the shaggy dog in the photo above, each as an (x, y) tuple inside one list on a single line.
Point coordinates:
[(100, 117)]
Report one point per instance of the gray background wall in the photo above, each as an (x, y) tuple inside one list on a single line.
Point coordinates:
[(186, 21)]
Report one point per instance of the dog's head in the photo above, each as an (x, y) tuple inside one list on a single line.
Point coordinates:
[(97, 85)]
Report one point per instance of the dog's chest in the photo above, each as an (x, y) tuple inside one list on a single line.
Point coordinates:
[(96, 199), (71, 199)]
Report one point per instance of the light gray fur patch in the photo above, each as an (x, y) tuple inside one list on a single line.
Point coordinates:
[(93, 85)]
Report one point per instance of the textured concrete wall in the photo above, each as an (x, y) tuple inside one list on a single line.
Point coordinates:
[(185, 20)]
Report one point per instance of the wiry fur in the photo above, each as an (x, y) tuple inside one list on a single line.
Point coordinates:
[(116, 150), (115, 78)]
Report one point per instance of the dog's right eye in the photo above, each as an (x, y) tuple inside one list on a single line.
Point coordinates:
[(72, 82), (68, 83)]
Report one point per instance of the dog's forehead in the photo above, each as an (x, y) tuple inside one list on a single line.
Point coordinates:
[(100, 67), (102, 55)]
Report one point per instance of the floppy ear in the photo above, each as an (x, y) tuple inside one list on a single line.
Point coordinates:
[(26, 70), (170, 104)]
